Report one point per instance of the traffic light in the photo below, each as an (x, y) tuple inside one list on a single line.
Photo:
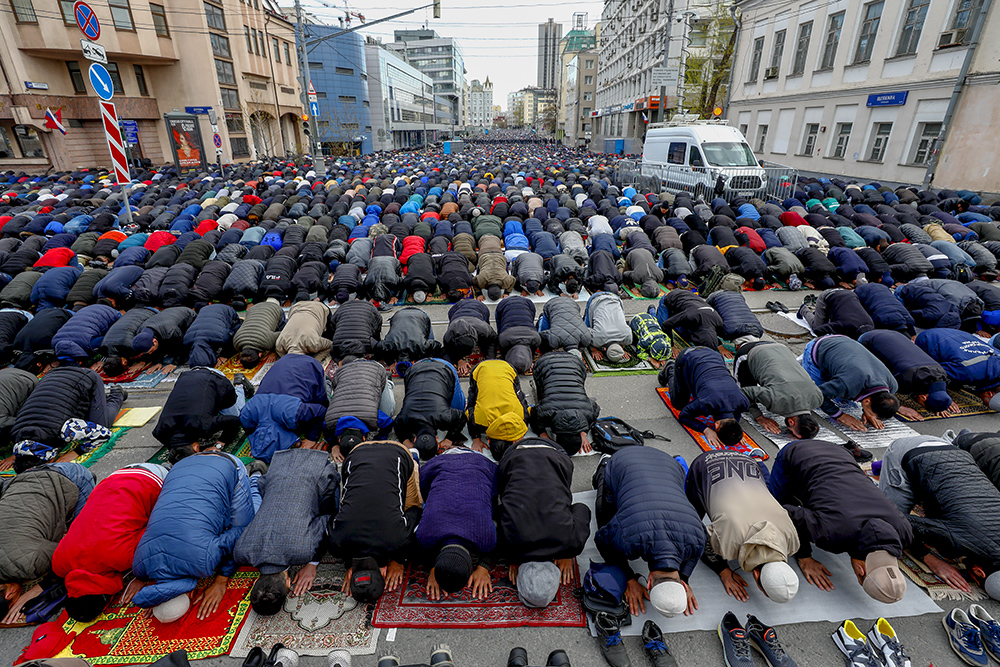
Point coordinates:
[(437, 9), (305, 124)]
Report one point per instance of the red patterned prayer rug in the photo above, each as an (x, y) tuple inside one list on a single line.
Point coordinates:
[(408, 606), (747, 445), (126, 636)]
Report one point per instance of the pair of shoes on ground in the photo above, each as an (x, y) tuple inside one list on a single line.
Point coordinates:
[(279, 655), (880, 647), (974, 636), (519, 658), (776, 307), (440, 657), (737, 642), (610, 636)]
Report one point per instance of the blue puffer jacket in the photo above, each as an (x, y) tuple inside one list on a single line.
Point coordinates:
[(273, 420), (967, 358), (885, 309), (212, 330), (82, 334), (930, 310), (131, 256), (653, 521), (118, 283), (51, 289), (737, 318), (201, 512)]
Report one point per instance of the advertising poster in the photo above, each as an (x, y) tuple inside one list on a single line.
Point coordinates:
[(185, 141)]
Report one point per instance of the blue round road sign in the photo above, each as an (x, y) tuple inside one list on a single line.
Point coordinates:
[(86, 20), (217, 140), (101, 81)]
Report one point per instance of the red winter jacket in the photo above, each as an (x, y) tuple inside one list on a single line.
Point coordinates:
[(56, 257), (411, 246), (754, 241), (158, 239), (100, 543)]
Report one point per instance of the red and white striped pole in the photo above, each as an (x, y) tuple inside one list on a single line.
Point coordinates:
[(113, 133)]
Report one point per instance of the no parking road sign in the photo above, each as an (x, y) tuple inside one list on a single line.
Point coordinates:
[(86, 20), (217, 140)]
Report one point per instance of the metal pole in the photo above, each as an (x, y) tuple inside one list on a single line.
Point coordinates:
[(423, 113), (666, 59), (318, 163), (955, 94), (737, 24), (313, 42)]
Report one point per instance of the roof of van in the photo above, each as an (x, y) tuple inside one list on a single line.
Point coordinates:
[(703, 132)]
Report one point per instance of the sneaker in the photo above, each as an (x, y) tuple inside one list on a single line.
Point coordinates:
[(965, 638), (810, 300), (441, 656), (386, 660), (852, 644), (735, 645), (860, 455), (765, 640), (989, 630), (610, 636), (862, 279), (654, 647), (883, 641), (341, 658), (286, 657), (794, 283)]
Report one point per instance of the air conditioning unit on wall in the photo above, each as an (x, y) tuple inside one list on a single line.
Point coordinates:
[(770, 73)]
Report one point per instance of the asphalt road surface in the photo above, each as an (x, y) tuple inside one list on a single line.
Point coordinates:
[(634, 399)]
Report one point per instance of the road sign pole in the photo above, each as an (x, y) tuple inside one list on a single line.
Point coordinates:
[(116, 146)]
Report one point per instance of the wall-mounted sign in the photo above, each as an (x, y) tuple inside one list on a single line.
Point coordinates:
[(887, 99)]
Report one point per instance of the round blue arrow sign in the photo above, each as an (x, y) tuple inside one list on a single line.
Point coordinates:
[(101, 81), (86, 20)]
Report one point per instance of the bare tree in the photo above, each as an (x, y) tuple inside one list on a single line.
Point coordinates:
[(518, 115), (706, 75), (337, 127), (259, 119), (546, 119)]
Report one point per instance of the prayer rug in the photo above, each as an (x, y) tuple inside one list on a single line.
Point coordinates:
[(785, 437), (87, 460), (746, 446), (133, 417), (240, 446), (232, 366), (727, 349), (634, 293), (257, 377), (968, 404), (128, 376), (126, 636), (315, 623), (872, 438), (634, 365), (146, 380), (936, 589), (408, 606)]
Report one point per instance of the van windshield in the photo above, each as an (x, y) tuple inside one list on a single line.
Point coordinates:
[(729, 154)]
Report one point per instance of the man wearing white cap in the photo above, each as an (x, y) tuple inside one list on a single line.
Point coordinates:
[(748, 525), (644, 514)]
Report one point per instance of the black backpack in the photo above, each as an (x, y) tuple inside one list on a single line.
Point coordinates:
[(611, 434)]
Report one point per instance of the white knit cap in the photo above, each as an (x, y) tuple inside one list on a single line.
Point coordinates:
[(173, 609), (669, 598), (779, 581)]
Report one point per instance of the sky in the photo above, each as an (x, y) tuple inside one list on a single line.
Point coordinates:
[(497, 39)]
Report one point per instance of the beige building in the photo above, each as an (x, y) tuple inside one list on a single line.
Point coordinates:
[(528, 104), (863, 89), (161, 58)]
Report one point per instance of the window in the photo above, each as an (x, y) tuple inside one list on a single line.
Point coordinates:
[(344, 70), (843, 136), (116, 78), (758, 53), (140, 80), (743, 129), (277, 51), (585, 112), (239, 146), (366, 104), (809, 142), (588, 80), (321, 95), (121, 14), (676, 152), (76, 76), (234, 122), (224, 70), (966, 13), (588, 97), (159, 19), (216, 19), (24, 12), (925, 142), (694, 157), (698, 36), (870, 17), (880, 139), (220, 45), (288, 56), (66, 7), (29, 141), (246, 33), (777, 51), (313, 64), (913, 25), (832, 41), (347, 99), (588, 64), (802, 48), (761, 137), (256, 41), (230, 98)]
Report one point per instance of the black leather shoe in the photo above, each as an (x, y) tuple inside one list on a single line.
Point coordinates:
[(557, 658), (860, 455), (255, 658), (518, 657)]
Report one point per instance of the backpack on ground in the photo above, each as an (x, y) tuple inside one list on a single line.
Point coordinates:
[(610, 434)]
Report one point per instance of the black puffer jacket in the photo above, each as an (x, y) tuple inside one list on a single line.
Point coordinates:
[(15, 387), (277, 280), (408, 338), (83, 288), (985, 449), (357, 392), (197, 253), (737, 318), (63, 393), (243, 282), (36, 335), (17, 293), (602, 273), (11, 322), (357, 328), (118, 340), (565, 325), (210, 334), (309, 280), (563, 406), (468, 328), (209, 283), (429, 401), (176, 285)]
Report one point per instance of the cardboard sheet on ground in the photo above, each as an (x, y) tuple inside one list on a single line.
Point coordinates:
[(872, 438), (794, 317), (137, 416), (847, 600)]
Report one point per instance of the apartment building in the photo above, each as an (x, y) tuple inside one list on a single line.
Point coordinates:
[(441, 59), (862, 88)]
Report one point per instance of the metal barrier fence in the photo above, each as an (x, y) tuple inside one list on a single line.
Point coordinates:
[(769, 181)]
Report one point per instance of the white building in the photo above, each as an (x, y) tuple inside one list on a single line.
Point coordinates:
[(863, 88), (441, 59), (480, 104), (549, 35)]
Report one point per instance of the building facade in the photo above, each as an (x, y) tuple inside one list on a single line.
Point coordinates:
[(157, 55), (405, 112), (339, 73), (480, 104), (549, 35), (862, 89), (578, 100), (439, 58), (532, 107)]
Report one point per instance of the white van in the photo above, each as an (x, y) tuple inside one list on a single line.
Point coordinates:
[(695, 157)]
